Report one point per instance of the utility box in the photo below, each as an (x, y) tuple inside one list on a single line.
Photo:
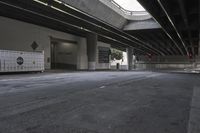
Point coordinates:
[(21, 61)]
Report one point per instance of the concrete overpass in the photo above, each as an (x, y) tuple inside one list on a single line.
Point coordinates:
[(111, 26), (153, 88)]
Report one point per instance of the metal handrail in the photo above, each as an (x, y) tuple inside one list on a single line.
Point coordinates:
[(127, 12)]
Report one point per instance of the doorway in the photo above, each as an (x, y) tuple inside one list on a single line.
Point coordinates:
[(63, 54)]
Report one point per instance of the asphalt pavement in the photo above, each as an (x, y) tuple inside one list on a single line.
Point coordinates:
[(99, 102)]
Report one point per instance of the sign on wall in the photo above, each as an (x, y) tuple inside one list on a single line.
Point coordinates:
[(104, 53), (34, 45), (20, 60)]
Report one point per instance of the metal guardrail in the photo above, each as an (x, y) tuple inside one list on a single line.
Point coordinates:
[(127, 12)]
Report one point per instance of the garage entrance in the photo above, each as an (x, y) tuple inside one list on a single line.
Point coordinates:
[(63, 54)]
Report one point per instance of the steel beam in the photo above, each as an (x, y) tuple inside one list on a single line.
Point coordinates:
[(185, 20), (173, 25)]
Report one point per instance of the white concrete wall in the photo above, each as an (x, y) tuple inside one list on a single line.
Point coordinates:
[(17, 35), (168, 62), (164, 66), (164, 59), (82, 59)]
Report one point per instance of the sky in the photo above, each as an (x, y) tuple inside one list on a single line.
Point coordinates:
[(131, 5)]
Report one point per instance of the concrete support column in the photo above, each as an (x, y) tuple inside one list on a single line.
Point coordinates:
[(91, 50), (130, 57), (199, 46)]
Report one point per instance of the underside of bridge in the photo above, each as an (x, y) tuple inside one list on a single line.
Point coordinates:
[(178, 33), (179, 20), (95, 66)]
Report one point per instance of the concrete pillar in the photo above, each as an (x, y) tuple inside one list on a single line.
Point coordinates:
[(91, 50), (130, 57), (199, 46)]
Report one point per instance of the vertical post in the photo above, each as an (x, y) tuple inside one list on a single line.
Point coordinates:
[(130, 57), (197, 58), (91, 50), (199, 44)]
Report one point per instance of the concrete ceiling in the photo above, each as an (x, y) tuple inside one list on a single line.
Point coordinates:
[(99, 10), (82, 20), (179, 20)]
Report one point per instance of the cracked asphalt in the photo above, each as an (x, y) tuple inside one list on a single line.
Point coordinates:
[(96, 102)]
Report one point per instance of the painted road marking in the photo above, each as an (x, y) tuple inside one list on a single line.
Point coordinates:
[(102, 87)]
